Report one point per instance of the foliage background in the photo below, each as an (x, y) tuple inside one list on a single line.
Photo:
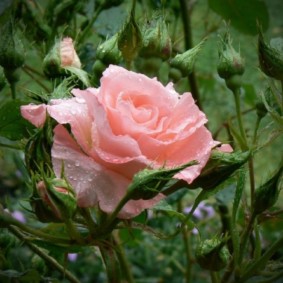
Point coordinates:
[(152, 259)]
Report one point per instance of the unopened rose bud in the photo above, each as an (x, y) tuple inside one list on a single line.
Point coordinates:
[(260, 109), (97, 69), (148, 183), (62, 55), (11, 48), (108, 51), (212, 254), (58, 198), (267, 194), (185, 61), (230, 62), (219, 168), (156, 40), (38, 149), (130, 39), (68, 54), (270, 59)]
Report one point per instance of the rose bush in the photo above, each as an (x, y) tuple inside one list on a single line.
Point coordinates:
[(127, 124)]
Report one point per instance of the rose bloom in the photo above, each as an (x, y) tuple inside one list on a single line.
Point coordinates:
[(131, 122)]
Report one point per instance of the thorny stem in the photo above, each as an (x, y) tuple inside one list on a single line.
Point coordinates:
[(124, 263), (11, 221), (214, 277), (110, 262), (186, 18), (45, 256), (186, 241), (256, 265)]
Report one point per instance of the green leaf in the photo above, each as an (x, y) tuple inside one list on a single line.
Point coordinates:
[(239, 191), (80, 74), (164, 207), (12, 125), (242, 14)]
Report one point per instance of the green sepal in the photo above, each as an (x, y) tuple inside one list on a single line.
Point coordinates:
[(270, 59), (108, 51), (212, 254), (130, 39), (185, 61), (230, 62), (267, 194), (219, 168), (149, 182)]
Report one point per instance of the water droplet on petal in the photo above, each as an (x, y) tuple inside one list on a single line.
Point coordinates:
[(77, 163), (80, 100)]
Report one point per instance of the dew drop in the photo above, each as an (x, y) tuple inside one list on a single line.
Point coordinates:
[(77, 163), (69, 165), (89, 179), (80, 100)]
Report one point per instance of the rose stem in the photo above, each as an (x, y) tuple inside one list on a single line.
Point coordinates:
[(45, 256), (186, 17)]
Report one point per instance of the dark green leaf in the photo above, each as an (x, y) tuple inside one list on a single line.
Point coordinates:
[(12, 125), (242, 14)]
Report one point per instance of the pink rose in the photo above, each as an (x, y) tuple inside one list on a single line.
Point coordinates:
[(68, 54), (131, 122)]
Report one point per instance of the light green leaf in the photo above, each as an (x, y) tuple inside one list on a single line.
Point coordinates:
[(80, 74)]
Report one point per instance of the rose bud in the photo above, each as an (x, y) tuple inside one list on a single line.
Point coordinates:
[(270, 59), (219, 168), (62, 55), (108, 51), (230, 62), (130, 39), (11, 48), (147, 183), (185, 61), (156, 40), (212, 254), (267, 194), (58, 196)]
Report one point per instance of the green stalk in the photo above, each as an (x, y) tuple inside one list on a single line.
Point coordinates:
[(236, 93), (186, 241), (256, 265), (124, 263), (51, 261), (7, 219), (188, 38), (245, 238), (214, 277), (110, 262)]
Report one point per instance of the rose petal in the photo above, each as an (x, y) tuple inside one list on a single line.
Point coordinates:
[(225, 148), (74, 112), (35, 114), (92, 182)]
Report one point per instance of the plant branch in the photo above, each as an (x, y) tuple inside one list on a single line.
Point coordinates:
[(45, 256)]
